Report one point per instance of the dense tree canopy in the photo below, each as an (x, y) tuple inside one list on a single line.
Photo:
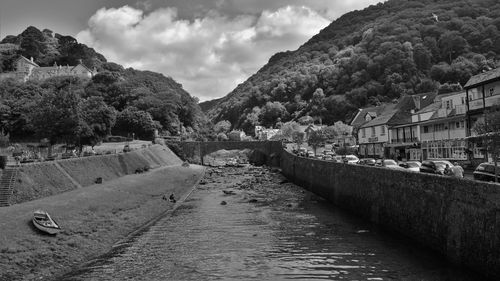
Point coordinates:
[(76, 110), (367, 57)]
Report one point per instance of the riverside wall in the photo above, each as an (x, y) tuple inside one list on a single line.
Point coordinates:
[(38, 180), (459, 218)]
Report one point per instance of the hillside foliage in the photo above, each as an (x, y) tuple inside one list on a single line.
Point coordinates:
[(368, 57), (83, 111)]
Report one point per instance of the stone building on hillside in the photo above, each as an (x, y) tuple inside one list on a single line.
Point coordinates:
[(27, 69)]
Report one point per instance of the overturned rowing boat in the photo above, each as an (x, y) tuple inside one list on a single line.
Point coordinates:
[(45, 223)]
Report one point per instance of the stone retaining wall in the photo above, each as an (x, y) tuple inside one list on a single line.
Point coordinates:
[(457, 217), (43, 179)]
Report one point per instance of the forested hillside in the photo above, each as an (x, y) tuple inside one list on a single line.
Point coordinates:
[(367, 57), (83, 111)]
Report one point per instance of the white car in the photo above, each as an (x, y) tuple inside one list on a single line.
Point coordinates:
[(351, 159)]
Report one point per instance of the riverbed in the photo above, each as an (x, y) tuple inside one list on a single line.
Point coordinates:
[(250, 223)]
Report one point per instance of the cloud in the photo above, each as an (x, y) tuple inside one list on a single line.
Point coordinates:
[(209, 54)]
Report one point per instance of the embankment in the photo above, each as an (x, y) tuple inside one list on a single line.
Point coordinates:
[(92, 218), (456, 217), (39, 180)]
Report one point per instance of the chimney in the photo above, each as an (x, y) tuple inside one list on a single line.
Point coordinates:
[(31, 59)]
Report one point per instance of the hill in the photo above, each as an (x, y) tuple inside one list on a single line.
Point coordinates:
[(367, 57), (46, 49), (115, 100)]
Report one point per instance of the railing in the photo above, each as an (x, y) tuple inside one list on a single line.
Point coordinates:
[(405, 140)]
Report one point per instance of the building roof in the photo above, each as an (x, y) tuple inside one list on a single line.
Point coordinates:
[(374, 111), (381, 120), (431, 107), (27, 60), (483, 78)]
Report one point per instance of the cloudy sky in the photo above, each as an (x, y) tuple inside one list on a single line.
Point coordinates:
[(209, 46)]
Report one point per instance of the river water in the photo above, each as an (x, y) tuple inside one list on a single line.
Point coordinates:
[(251, 224)]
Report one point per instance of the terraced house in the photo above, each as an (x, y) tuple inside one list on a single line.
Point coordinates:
[(433, 132), (483, 92)]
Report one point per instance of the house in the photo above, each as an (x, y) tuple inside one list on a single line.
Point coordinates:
[(443, 134), (435, 131), (27, 69), (374, 133), (262, 133), (483, 92)]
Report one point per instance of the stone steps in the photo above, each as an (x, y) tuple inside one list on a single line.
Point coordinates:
[(6, 184)]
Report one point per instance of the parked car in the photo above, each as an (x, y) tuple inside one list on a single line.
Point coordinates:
[(390, 164), (350, 159), (310, 154), (413, 166), (367, 161), (486, 172), (338, 159), (327, 157), (434, 166)]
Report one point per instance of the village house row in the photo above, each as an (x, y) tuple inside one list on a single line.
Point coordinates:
[(429, 126)]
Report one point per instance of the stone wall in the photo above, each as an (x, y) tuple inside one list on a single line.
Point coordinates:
[(43, 179), (194, 151), (457, 217)]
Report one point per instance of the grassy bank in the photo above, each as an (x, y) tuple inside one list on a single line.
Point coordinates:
[(92, 218), (43, 179)]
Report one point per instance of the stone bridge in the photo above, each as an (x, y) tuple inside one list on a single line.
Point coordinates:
[(194, 152)]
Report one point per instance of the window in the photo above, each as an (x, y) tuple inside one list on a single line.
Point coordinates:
[(462, 124), (457, 125), (373, 131), (463, 100), (363, 132), (492, 91), (426, 129), (382, 130), (448, 104)]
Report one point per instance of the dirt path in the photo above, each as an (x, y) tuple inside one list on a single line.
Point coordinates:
[(92, 218)]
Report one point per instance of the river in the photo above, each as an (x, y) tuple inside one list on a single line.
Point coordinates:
[(251, 224)]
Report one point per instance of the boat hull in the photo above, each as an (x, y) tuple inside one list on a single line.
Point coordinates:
[(43, 222)]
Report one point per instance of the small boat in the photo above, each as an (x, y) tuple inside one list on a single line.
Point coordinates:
[(45, 223)]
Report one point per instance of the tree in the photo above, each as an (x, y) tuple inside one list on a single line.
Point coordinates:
[(316, 139), (131, 120), (58, 118), (318, 104), (422, 57), (289, 128), (452, 45), (271, 112), (222, 127), (298, 138), (99, 117), (488, 133)]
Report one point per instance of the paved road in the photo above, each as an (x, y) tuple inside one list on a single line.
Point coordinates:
[(251, 224)]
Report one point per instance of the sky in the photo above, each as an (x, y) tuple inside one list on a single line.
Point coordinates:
[(209, 46)]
